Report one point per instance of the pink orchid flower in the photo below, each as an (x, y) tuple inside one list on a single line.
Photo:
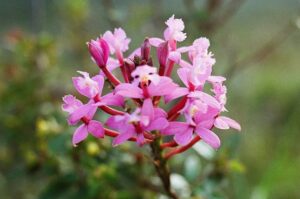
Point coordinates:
[(99, 51), (92, 88), (190, 119), (77, 111), (146, 83), (117, 41), (136, 124), (174, 30), (201, 113)]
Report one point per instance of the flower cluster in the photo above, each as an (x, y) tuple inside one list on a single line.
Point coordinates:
[(136, 104)]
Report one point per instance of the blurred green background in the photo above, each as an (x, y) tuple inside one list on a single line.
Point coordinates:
[(256, 44)]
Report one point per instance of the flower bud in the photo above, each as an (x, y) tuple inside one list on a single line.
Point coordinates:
[(99, 51), (162, 55), (145, 50)]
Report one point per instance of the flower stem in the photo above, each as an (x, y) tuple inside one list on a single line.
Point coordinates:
[(170, 68), (112, 133), (161, 167), (111, 111), (110, 76), (183, 148), (177, 108), (168, 144)]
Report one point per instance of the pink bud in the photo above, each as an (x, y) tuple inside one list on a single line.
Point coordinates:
[(145, 49), (99, 51), (162, 54)]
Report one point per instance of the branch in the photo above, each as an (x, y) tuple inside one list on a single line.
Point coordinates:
[(264, 51), (183, 148), (162, 170)]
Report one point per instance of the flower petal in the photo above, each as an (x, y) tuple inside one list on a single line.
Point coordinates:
[(155, 41), (112, 100), (116, 122), (184, 137), (232, 123), (183, 75), (220, 124), (178, 92), (70, 103), (175, 56), (158, 124), (140, 139), (96, 129), (208, 136), (129, 90), (80, 134), (100, 80), (123, 137), (165, 87), (79, 113), (147, 108), (175, 128)]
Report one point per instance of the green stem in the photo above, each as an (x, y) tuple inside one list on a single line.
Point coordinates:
[(161, 167)]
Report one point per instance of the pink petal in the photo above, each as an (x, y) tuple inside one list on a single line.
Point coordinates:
[(175, 56), (85, 85), (70, 103), (178, 92), (165, 87), (79, 113), (158, 112), (185, 137), (215, 79), (147, 108), (109, 38), (92, 110), (155, 41), (112, 100), (208, 136), (80, 134), (158, 124), (122, 138), (162, 52), (83, 91), (111, 65), (96, 129), (129, 90), (183, 74), (116, 122), (221, 124), (175, 128), (184, 64), (140, 139), (100, 80), (183, 49), (206, 98), (136, 52), (232, 123)]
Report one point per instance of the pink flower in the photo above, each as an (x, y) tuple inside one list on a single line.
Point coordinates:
[(99, 51), (136, 124), (146, 83), (147, 80), (195, 74), (81, 133), (174, 29), (117, 41), (92, 88), (77, 111), (70, 103), (183, 133), (219, 89)]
